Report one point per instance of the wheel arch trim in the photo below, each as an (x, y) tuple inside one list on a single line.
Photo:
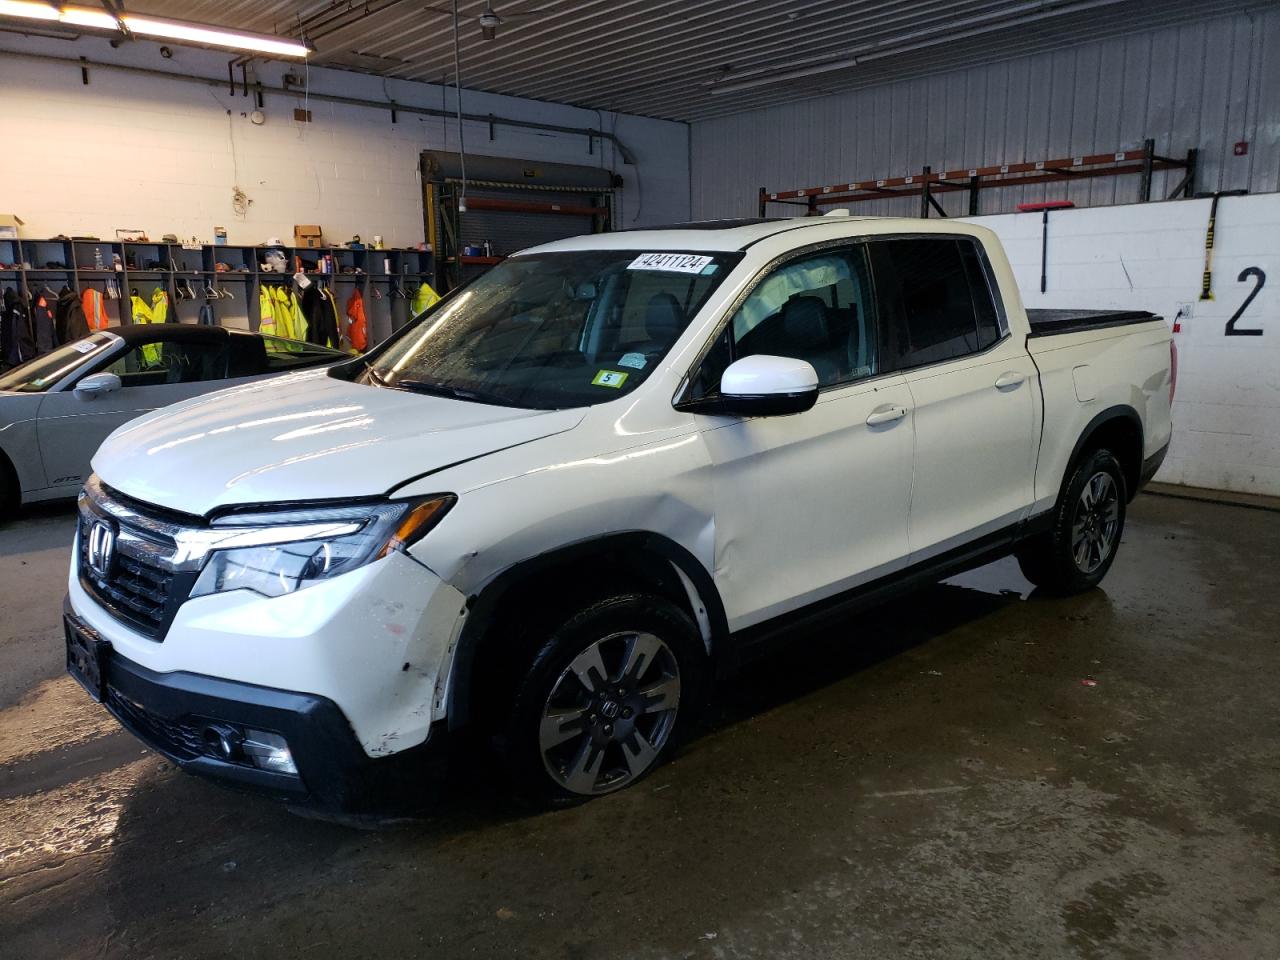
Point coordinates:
[(1117, 413), (700, 588)]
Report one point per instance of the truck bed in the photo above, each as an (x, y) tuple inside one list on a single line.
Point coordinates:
[(1047, 322)]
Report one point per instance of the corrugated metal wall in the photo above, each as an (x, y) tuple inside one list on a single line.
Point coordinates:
[(1206, 85)]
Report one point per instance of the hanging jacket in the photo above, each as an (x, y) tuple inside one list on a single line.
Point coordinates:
[(424, 298), (357, 325), (44, 321), (207, 317), (266, 311), (322, 320), (94, 307), (291, 323), (18, 342), (142, 313), (159, 305), (337, 320), (69, 317), (7, 324)]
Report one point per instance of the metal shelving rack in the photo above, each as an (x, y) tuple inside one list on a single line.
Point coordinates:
[(145, 265), (927, 185)]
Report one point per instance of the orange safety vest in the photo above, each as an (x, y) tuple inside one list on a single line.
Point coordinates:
[(357, 326), (95, 312)]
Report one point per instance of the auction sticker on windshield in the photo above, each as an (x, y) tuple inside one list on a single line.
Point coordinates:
[(670, 262), (609, 378)]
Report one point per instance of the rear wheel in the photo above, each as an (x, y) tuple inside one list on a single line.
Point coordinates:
[(604, 698), (10, 496), (1078, 550)]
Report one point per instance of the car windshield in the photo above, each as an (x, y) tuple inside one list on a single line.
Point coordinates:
[(553, 330), (38, 375)]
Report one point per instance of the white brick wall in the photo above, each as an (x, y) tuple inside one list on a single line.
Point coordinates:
[(1226, 417)]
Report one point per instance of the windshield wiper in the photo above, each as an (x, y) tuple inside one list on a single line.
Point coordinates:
[(377, 378), (443, 390)]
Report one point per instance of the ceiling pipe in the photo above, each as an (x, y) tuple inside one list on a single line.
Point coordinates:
[(893, 47), (627, 156)]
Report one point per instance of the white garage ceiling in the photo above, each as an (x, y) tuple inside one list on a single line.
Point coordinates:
[(685, 59)]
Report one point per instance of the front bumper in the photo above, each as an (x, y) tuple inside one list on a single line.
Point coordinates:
[(377, 642), (173, 713)]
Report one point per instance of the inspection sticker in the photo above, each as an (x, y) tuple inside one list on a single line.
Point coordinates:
[(669, 262), (609, 378), (637, 360)]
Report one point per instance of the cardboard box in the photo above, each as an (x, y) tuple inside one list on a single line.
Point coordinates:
[(9, 224), (307, 235)]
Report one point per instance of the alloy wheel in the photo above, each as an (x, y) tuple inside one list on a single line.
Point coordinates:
[(1096, 522), (610, 713)]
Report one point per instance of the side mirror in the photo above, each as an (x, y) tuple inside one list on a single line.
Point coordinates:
[(762, 386), (96, 385)]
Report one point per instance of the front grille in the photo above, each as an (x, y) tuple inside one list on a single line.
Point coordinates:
[(144, 583), (169, 736), (134, 591)]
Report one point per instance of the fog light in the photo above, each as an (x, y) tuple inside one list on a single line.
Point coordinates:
[(223, 740), (268, 751)]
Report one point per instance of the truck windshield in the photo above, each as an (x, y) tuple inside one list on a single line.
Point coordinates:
[(38, 375), (553, 330)]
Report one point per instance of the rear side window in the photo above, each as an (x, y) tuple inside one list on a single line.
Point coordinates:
[(991, 322), (935, 302)]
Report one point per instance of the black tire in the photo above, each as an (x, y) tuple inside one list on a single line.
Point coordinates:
[(1077, 551), (613, 732), (10, 495)]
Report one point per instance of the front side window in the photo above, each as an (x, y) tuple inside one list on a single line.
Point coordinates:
[(817, 308), (170, 361), (38, 375), (935, 302), (553, 330)]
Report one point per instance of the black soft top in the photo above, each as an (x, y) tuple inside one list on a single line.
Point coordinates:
[(190, 332)]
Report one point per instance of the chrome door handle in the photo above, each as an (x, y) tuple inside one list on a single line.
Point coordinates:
[(886, 413), (1010, 378)]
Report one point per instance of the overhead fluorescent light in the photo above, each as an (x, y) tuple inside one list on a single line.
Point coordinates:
[(154, 27)]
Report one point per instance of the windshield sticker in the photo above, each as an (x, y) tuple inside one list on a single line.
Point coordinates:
[(86, 346), (609, 378), (670, 262), (636, 360)]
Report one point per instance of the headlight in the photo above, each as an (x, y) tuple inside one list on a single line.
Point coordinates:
[(280, 552)]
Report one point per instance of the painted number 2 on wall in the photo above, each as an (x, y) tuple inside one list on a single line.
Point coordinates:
[(1259, 281)]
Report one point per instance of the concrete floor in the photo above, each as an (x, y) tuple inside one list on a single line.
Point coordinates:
[(938, 780)]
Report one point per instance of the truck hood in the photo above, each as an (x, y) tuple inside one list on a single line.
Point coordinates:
[(305, 437)]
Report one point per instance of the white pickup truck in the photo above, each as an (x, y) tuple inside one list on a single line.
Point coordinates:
[(553, 506)]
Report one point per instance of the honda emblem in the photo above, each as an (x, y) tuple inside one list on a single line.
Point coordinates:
[(100, 551)]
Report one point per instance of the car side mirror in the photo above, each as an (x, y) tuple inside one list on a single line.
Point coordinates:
[(96, 385), (762, 386)]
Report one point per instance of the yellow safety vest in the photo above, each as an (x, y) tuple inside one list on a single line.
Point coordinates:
[(424, 298), (266, 311)]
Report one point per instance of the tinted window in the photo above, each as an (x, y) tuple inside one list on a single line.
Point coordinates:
[(991, 324), (816, 308), (170, 361), (927, 289)]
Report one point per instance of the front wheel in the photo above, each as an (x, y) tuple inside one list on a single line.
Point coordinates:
[(1088, 520), (604, 698)]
